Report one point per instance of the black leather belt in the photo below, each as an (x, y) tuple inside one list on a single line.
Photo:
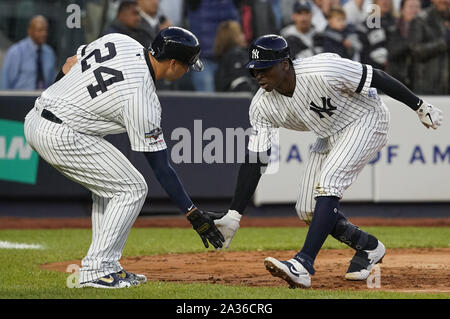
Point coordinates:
[(46, 114)]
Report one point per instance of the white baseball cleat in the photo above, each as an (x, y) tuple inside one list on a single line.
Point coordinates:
[(291, 271), (363, 261)]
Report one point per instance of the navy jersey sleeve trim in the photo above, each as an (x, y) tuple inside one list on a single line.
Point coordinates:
[(149, 64), (363, 79), (59, 76)]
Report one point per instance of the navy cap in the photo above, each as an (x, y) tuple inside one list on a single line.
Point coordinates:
[(267, 51), (302, 5)]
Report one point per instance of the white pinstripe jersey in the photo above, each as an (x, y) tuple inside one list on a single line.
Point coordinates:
[(110, 90), (330, 93)]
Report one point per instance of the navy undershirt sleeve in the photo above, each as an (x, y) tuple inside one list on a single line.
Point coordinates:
[(168, 178), (59, 76), (248, 178), (395, 89)]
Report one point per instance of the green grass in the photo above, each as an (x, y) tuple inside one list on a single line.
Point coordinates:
[(21, 277)]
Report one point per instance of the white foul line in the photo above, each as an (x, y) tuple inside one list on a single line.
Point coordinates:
[(10, 245)]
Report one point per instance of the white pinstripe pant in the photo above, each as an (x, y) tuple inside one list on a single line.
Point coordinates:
[(336, 162), (118, 189)]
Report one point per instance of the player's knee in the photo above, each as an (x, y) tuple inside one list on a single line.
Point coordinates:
[(304, 214), (139, 190), (143, 189)]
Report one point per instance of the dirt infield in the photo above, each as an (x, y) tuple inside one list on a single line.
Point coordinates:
[(180, 221), (407, 270)]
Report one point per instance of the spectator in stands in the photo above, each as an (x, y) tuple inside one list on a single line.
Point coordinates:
[(429, 38), (204, 16), (152, 20), (173, 11), (230, 49), (339, 37), (356, 11), (286, 11), (30, 63), (320, 11), (400, 58), (5, 43), (303, 39), (276, 9), (127, 21), (257, 18), (375, 38)]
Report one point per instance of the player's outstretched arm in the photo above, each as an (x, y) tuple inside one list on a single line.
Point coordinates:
[(429, 115), (201, 221), (249, 174)]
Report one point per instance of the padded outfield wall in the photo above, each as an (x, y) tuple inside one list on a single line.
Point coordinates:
[(206, 134)]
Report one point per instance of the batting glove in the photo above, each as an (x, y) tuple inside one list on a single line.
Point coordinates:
[(228, 225), (429, 115), (204, 226)]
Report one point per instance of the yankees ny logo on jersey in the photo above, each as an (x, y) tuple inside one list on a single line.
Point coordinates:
[(326, 101)]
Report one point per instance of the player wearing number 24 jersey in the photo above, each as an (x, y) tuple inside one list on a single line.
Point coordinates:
[(109, 88), (336, 99)]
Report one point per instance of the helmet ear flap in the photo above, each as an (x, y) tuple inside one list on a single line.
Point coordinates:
[(197, 66)]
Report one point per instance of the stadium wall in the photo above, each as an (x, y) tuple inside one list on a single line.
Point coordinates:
[(413, 167)]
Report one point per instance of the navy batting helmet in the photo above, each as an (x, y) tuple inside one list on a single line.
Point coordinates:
[(267, 51), (179, 44)]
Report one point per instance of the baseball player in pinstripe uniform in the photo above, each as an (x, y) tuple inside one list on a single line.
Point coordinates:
[(109, 88), (337, 99)]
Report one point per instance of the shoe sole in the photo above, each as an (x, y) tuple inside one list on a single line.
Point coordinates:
[(125, 284), (142, 281), (355, 276), (277, 272), (94, 285)]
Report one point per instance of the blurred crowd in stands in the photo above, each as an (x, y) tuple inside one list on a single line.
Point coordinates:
[(409, 39)]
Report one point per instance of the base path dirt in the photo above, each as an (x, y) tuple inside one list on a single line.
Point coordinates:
[(181, 221), (407, 270)]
